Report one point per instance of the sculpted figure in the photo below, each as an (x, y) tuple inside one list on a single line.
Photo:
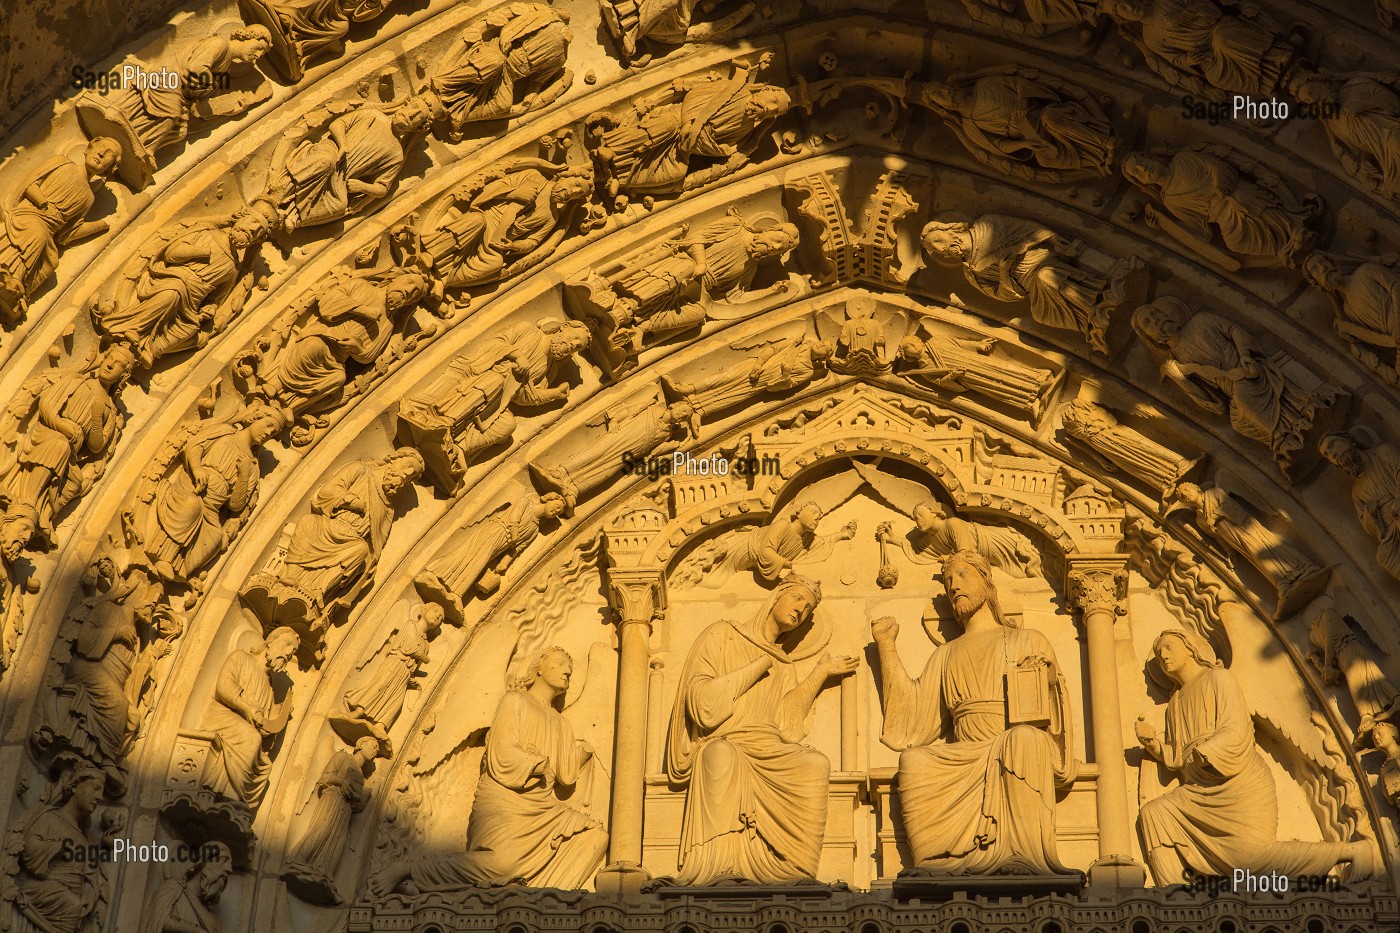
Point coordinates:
[(504, 220), (957, 364), (1232, 211), (99, 675), (937, 536), (247, 718), (1340, 657), (655, 149), (783, 366), (522, 829), (307, 31), (189, 904), (330, 557), (504, 65), (1375, 492), (145, 120), (1025, 122), (860, 347), (1224, 813), (1222, 516), (48, 892), (756, 798), (639, 25), (678, 284), (1366, 301), (189, 290), (1115, 446), (482, 553), (350, 167), (63, 428), (771, 550), (351, 318), (1387, 11), (982, 736), (467, 409), (340, 794), (1014, 259), (652, 429), (1365, 133), (1205, 47), (44, 213), (1033, 17), (1222, 368), (382, 680), (197, 508)]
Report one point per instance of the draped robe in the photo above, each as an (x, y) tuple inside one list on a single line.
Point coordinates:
[(978, 796), (186, 527), (320, 172), (756, 802), (521, 830), (53, 894), (334, 549), (238, 765), (32, 234), (1224, 813)]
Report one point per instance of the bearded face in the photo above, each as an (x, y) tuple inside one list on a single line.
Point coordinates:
[(968, 590)]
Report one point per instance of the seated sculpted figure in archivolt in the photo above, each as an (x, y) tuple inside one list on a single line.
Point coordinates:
[(983, 737), (755, 806)]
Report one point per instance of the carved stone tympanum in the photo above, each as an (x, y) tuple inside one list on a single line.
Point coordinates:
[(1224, 814), (983, 737), (522, 829), (756, 798), (1069, 287)]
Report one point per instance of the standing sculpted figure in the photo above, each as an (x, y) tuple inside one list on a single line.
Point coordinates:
[(506, 64), (504, 220), (1375, 492), (44, 213), (678, 284), (350, 167), (639, 25), (1014, 259), (1365, 299), (1214, 195), (307, 31), (145, 120), (525, 827), (653, 428), (756, 799), (1223, 517), (467, 409), (189, 904), (1115, 446), (329, 558), (1025, 122), (194, 511), (1365, 132), (1224, 813), (377, 689), (48, 890), (340, 793), (651, 151), (782, 366), (62, 429), (1222, 368), (246, 716), (191, 288), (982, 736), (959, 364), (1204, 47), (482, 553)]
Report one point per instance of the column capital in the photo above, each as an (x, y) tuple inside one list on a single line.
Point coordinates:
[(636, 595), (1097, 585)]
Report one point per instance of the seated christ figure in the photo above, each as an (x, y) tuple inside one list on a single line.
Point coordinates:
[(982, 735)]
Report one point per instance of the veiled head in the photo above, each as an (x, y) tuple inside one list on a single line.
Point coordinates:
[(1177, 651), (794, 602)]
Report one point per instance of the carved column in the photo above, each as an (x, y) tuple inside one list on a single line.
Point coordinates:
[(1097, 590), (637, 596)]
